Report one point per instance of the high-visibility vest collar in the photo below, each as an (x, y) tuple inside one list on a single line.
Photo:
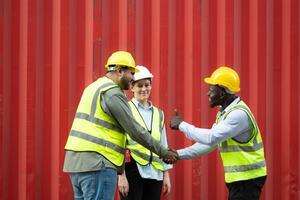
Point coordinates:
[(139, 153)]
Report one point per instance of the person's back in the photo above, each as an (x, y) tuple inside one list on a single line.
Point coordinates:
[(93, 128)]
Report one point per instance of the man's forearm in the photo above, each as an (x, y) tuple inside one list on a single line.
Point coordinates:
[(119, 108)]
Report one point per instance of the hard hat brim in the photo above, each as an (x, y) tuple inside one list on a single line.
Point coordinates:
[(135, 69), (209, 81)]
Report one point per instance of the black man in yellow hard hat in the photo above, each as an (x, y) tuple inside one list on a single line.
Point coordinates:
[(235, 133)]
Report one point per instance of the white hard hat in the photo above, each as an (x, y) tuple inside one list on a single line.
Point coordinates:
[(142, 74)]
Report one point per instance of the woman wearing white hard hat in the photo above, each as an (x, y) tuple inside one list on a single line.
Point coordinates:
[(145, 174)]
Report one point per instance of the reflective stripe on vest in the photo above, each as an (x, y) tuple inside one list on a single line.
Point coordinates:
[(256, 146), (145, 156), (99, 122), (93, 129), (97, 141), (139, 153), (233, 152), (244, 168)]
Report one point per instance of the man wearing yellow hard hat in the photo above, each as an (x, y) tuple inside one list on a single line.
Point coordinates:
[(235, 133), (96, 144)]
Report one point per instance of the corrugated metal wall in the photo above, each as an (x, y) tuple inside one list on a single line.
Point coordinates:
[(51, 49)]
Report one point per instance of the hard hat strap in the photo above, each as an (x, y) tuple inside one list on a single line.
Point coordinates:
[(116, 68)]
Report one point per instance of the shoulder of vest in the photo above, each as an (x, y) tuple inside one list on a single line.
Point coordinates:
[(161, 113), (241, 106), (162, 117), (132, 105), (107, 86), (105, 82), (154, 107), (159, 110)]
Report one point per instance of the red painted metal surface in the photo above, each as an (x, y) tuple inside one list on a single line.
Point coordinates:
[(50, 50)]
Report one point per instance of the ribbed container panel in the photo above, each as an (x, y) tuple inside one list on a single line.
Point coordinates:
[(51, 49)]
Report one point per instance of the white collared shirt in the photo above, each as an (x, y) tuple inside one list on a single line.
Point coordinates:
[(236, 125)]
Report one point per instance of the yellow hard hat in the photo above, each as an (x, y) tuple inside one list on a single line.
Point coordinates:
[(121, 58), (226, 77)]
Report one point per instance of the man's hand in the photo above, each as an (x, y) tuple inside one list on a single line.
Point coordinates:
[(175, 121), (171, 157), (123, 185)]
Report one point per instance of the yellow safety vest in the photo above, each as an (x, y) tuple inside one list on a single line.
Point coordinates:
[(139, 153), (93, 129), (243, 161)]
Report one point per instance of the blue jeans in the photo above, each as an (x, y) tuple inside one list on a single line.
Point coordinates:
[(96, 185)]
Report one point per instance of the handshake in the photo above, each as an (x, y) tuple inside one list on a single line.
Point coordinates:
[(171, 157)]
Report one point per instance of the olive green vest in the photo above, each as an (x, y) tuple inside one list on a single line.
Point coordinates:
[(243, 161), (93, 129), (139, 153)]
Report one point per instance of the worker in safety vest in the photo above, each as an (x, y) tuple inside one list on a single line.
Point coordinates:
[(96, 144), (235, 133), (145, 173)]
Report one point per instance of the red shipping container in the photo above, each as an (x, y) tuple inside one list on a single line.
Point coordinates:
[(51, 49)]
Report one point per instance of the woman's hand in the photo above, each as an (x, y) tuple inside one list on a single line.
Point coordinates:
[(123, 184), (166, 184)]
